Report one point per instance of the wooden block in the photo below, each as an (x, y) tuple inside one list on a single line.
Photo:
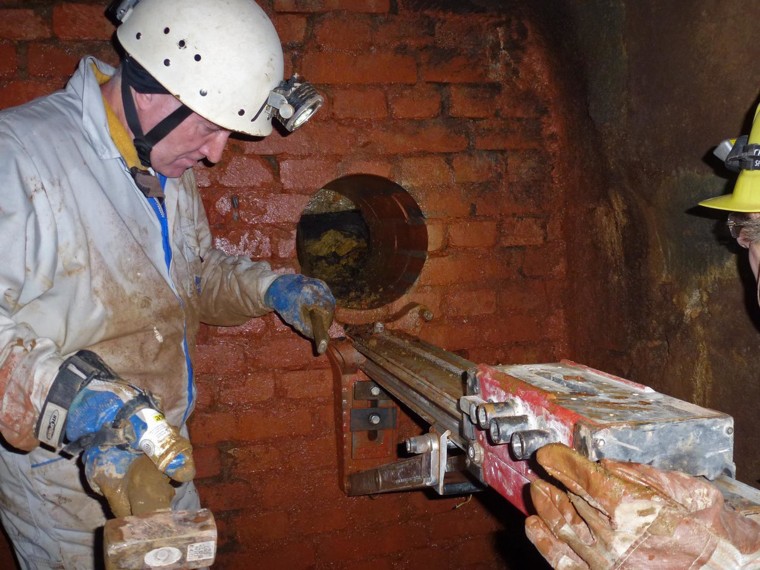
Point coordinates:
[(167, 540)]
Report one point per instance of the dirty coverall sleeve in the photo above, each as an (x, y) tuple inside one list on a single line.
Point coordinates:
[(28, 363), (233, 286)]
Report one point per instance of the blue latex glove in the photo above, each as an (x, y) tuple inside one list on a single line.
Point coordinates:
[(294, 297)]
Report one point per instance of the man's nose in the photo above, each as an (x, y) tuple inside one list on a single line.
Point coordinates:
[(214, 146)]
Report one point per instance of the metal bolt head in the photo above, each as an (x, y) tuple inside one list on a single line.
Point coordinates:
[(374, 419), (375, 391), (475, 453)]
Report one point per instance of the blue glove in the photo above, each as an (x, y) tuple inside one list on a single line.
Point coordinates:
[(117, 425), (297, 299), (98, 406)]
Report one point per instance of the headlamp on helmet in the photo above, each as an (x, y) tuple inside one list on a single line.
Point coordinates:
[(292, 103)]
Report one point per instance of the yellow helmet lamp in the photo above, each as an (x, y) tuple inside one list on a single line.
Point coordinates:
[(742, 156)]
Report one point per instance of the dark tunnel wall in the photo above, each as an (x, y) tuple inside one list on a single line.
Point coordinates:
[(664, 86)]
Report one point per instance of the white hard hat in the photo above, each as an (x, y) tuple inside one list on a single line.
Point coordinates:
[(221, 58)]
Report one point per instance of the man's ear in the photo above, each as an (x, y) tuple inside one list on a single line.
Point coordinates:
[(142, 100)]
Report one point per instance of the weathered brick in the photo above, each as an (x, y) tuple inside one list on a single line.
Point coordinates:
[(305, 522), (278, 209), (409, 137), (253, 459), (242, 391), (449, 66), (467, 303), (436, 230), (245, 171), (374, 6), (226, 496), (419, 102), (548, 260), (265, 424), (291, 554), (308, 486), (48, 60), (365, 68), (359, 104), (255, 528), (306, 175), (290, 28), (16, 92), (321, 136), (309, 384), (523, 231), (81, 22), (207, 462), (471, 266), (353, 165), (344, 32), (23, 24), (212, 428), (371, 544), (473, 233), (425, 170), (517, 133), (473, 102), (8, 59), (479, 167), (416, 31)]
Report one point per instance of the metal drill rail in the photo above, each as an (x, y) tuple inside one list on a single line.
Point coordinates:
[(427, 379)]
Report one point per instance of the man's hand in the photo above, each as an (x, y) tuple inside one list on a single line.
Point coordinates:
[(120, 430), (628, 515), (130, 481), (299, 299)]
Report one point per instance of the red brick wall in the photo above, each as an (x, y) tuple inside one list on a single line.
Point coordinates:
[(451, 99)]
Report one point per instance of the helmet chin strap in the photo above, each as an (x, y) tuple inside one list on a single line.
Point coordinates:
[(144, 143)]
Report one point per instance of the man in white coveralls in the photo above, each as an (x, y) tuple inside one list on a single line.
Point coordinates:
[(108, 266)]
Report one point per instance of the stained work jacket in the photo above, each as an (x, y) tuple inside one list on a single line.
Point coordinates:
[(83, 266)]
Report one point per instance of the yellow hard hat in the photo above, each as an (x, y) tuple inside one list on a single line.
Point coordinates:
[(746, 194)]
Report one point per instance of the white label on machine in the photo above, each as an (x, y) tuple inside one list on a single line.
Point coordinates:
[(200, 551)]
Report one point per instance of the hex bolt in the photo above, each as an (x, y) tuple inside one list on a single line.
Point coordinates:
[(525, 443), (374, 419), (375, 390), (501, 429), (475, 453), (418, 444), (379, 327), (599, 443), (487, 412)]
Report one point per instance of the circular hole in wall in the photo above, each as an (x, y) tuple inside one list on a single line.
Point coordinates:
[(365, 236)]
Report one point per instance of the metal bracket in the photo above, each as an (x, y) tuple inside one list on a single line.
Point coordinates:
[(373, 419)]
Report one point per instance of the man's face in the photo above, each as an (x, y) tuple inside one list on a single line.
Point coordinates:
[(747, 237), (193, 140)]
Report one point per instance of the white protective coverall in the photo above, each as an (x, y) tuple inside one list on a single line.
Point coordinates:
[(83, 267)]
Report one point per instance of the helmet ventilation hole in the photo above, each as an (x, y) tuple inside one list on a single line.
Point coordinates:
[(167, 62), (138, 35), (167, 30), (197, 57), (241, 112), (182, 44), (203, 92)]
